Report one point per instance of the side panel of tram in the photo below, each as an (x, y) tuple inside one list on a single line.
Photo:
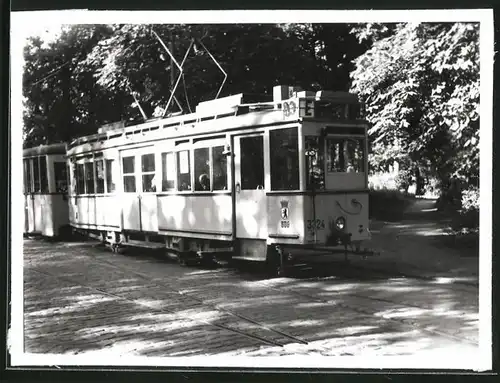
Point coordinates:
[(93, 204), (45, 193)]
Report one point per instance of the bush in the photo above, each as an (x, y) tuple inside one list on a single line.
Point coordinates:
[(470, 199), (387, 204), (403, 180), (381, 181), (466, 219), (432, 188)]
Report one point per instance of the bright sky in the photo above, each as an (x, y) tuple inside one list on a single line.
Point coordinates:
[(47, 33)]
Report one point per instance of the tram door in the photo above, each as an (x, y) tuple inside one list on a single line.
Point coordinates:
[(251, 210), (139, 197)]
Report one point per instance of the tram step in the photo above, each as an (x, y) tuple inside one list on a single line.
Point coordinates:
[(215, 251), (149, 245)]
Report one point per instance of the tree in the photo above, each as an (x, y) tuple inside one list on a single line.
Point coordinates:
[(62, 100), (420, 83), (255, 57), (96, 74)]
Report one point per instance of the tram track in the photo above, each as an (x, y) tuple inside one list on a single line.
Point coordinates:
[(203, 302), (265, 334), (386, 271), (399, 274), (359, 310), (405, 322), (273, 337)]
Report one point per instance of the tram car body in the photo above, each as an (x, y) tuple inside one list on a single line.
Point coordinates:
[(45, 190), (237, 178)]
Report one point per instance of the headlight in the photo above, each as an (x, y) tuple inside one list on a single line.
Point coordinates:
[(340, 223)]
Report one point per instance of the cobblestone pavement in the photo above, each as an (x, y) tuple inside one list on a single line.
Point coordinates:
[(81, 298)]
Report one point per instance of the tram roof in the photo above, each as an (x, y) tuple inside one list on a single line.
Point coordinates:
[(242, 107), (45, 149)]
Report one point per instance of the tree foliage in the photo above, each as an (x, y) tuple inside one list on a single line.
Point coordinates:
[(420, 83), (113, 66), (61, 99)]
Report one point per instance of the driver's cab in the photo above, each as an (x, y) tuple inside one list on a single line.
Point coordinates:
[(323, 179)]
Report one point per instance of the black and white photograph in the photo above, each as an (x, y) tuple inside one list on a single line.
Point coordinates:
[(264, 189)]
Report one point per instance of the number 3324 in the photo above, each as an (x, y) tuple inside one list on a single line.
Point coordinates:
[(315, 224)]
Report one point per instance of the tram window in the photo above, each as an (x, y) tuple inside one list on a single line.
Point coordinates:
[(284, 150), (89, 177), (252, 163), (168, 169), (24, 177), (61, 177), (315, 162), (44, 181), (202, 169), (354, 111), (183, 171), (331, 110), (27, 176), (220, 168), (36, 175), (148, 172), (110, 185), (128, 174), (80, 179), (345, 155), (99, 174)]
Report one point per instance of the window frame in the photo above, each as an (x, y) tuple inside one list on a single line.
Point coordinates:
[(36, 175), (190, 151), (363, 146), (89, 164), (163, 154), (132, 174), (108, 161), (228, 170), (140, 155), (81, 164), (265, 158), (298, 137), (44, 175), (28, 175), (321, 158), (58, 178), (210, 143), (83, 161), (210, 170), (95, 160)]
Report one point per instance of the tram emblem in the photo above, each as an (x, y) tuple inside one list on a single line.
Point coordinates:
[(284, 209)]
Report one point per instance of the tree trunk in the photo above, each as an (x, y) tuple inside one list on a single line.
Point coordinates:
[(419, 184)]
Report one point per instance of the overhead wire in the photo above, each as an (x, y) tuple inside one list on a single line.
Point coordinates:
[(51, 73)]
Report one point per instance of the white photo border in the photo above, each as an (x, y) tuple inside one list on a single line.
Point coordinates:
[(24, 24)]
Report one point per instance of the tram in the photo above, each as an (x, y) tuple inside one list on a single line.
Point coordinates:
[(45, 191), (240, 178)]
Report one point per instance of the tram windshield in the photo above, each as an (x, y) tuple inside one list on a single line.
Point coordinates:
[(345, 155), (332, 155)]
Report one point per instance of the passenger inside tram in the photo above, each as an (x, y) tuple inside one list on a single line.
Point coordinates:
[(204, 181)]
